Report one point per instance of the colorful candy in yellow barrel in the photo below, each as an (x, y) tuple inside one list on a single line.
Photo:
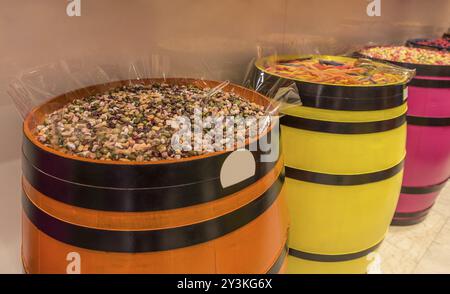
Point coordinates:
[(344, 145)]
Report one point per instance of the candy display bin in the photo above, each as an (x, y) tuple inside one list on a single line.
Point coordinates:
[(341, 199), (152, 216), (132, 204), (427, 166)]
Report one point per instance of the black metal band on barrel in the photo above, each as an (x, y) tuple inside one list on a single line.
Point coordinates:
[(357, 98), (154, 240), (342, 127), (410, 218), (428, 121), (416, 43), (342, 180), (276, 267), (423, 189), (331, 258), (427, 83), (134, 175), (344, 100), (401, 222), (427, 70), (133, 200), (414, 214)]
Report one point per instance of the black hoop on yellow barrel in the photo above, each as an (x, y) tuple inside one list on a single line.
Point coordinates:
[(344, 150)]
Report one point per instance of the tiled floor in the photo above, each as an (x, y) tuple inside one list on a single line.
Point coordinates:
[(423, 248)]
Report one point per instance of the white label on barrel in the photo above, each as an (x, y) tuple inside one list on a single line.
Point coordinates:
[(239, 166), (74, 266), (405, 93)]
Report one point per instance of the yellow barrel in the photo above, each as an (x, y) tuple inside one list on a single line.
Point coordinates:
[(344, 149)]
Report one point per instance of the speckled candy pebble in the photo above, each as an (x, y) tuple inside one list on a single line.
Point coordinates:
[(136, 122)]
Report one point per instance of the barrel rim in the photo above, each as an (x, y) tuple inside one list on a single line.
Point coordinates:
[(414, 43), (335, 97), (143, 176), (32, 114), (258, 65), (432, 70)]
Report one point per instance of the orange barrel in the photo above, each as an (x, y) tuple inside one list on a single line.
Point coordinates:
[(91, 216)]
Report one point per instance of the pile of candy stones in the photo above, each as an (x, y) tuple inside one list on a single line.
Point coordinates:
[(335, 71), (408, 55), (137, 122), (441, 43)]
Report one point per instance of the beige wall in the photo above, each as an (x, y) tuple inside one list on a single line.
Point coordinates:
[(209, 37)]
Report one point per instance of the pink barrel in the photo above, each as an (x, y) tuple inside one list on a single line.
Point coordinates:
[(427, 166), (427, 163)]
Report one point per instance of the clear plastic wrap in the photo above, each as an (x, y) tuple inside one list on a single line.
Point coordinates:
[(281, 91), (39, 85), (288, 89)]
